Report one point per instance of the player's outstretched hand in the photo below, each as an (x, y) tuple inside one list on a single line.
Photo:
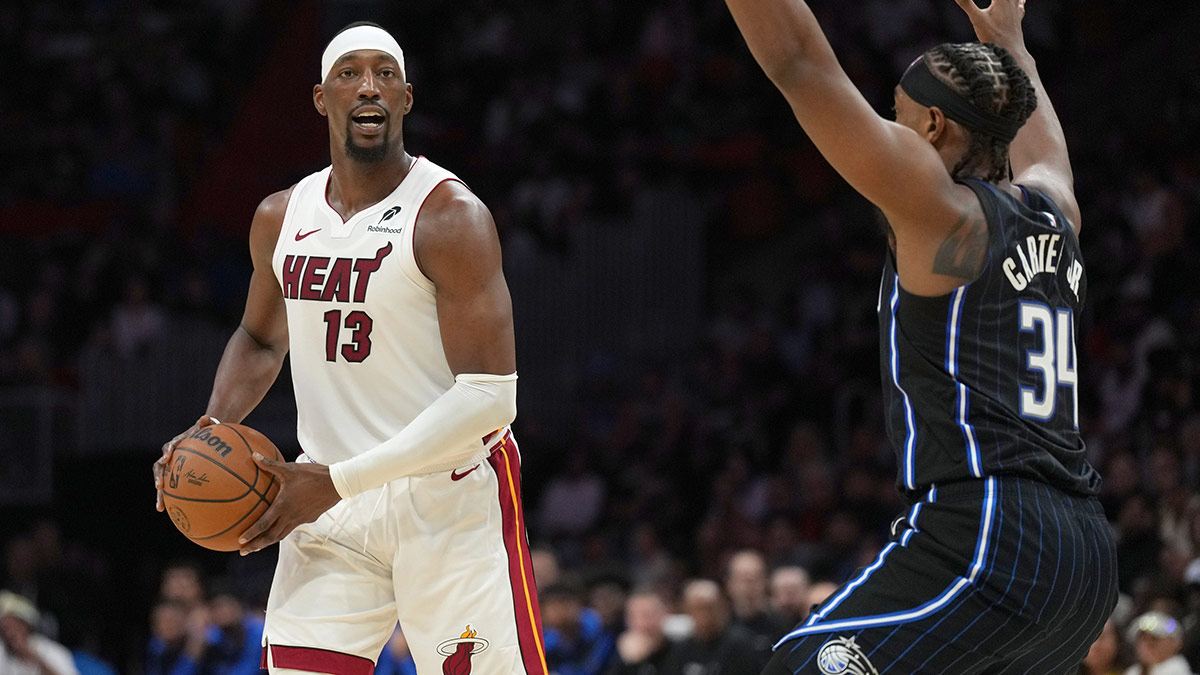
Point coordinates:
[(168, 451), (305, 492), (999, 22)]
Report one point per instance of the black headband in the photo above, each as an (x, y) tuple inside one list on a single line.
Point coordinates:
[(925, 88)]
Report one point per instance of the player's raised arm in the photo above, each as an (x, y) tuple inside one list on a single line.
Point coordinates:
[(1039, 152), (867, 150)]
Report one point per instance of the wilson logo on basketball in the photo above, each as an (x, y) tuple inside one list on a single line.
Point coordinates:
[(213, 441), (458, 652)]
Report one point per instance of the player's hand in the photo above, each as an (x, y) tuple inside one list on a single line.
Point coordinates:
[(305, 492), (163, 465), (999, 22)]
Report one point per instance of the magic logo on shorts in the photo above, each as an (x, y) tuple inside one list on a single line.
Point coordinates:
[(842, 656), (458, 652)]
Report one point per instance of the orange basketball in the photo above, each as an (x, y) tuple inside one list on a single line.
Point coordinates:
[(214, 489)]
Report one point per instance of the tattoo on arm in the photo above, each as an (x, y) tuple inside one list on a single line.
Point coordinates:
[(964, 251)]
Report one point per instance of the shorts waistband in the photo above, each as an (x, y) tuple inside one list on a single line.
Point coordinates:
[(1006, 487)]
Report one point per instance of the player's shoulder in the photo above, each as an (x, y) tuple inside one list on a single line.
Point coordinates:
[(274, 205), (268, 219), (1042, 187), (452, 211)]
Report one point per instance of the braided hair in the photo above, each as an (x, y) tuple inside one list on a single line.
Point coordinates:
[(990, 79)]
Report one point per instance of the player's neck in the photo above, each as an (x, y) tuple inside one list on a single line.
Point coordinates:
[(354, 186)]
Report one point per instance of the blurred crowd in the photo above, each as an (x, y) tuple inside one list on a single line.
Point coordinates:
[(686, 511)]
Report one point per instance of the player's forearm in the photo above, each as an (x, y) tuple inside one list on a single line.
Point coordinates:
[(247, 370), (474, 407), (1041, 140), (783, 36)]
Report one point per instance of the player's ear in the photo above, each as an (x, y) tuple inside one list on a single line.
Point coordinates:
[(408, 99), (319, 99), (935, 124)]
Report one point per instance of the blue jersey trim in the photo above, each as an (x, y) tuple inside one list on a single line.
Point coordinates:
[(910, 441), (962, 401)]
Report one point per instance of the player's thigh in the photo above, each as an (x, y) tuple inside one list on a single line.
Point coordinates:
[(960, 639), (919, 606), (464, 580), (331, 597)]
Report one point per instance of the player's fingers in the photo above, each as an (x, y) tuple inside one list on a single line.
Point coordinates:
[(160, 471), (253, 538), (274, 534), (968, 6), (268, 465)]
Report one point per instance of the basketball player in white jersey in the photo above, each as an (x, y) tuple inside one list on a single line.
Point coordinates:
[(381, 275)]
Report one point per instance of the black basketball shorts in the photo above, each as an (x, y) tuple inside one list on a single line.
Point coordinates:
[(1001, 575)]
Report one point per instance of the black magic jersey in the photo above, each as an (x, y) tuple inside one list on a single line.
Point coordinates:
[(983, 381)]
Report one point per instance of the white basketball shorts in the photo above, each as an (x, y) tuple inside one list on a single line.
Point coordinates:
[(445, 554)]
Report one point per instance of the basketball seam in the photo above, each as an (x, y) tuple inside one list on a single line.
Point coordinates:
[(261, 496), (205, 501), (239, 520)]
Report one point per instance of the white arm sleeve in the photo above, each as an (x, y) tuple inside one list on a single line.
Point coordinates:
[(474, 407)]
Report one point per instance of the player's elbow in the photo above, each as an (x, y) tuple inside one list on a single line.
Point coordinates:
[(496, 396)]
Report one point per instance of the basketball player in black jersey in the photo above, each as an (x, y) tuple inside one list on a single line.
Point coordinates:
[(1004, 563)]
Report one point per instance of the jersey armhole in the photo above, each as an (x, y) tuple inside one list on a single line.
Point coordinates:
[(413, 270), (276, 262), (1025, 195)]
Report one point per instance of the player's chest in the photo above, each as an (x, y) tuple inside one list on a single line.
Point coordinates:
[(320, 258)]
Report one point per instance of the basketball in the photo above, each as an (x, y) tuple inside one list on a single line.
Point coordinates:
[(214, 490)]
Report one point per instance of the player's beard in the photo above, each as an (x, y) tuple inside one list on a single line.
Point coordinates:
[(367, 154)]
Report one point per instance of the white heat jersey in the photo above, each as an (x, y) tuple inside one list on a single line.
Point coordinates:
[(366, 352)]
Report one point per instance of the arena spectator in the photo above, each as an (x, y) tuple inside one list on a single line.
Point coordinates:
[(746, 585), (235, 646), (789, 594), (715, 644), (22, 650), (178, 638), (575, 638), (642, 648), (819, 591), (1157, 639), (1106, 655)]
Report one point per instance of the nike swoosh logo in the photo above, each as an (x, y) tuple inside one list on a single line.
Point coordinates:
[(301, 236), (456, 476)]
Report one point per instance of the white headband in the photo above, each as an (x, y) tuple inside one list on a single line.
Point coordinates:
[(357, 38)]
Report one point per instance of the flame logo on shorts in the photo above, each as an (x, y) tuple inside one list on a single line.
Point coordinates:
[(458, 652)]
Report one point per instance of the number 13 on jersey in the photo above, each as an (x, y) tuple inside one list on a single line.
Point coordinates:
[(358, 347), (1052, 361)]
